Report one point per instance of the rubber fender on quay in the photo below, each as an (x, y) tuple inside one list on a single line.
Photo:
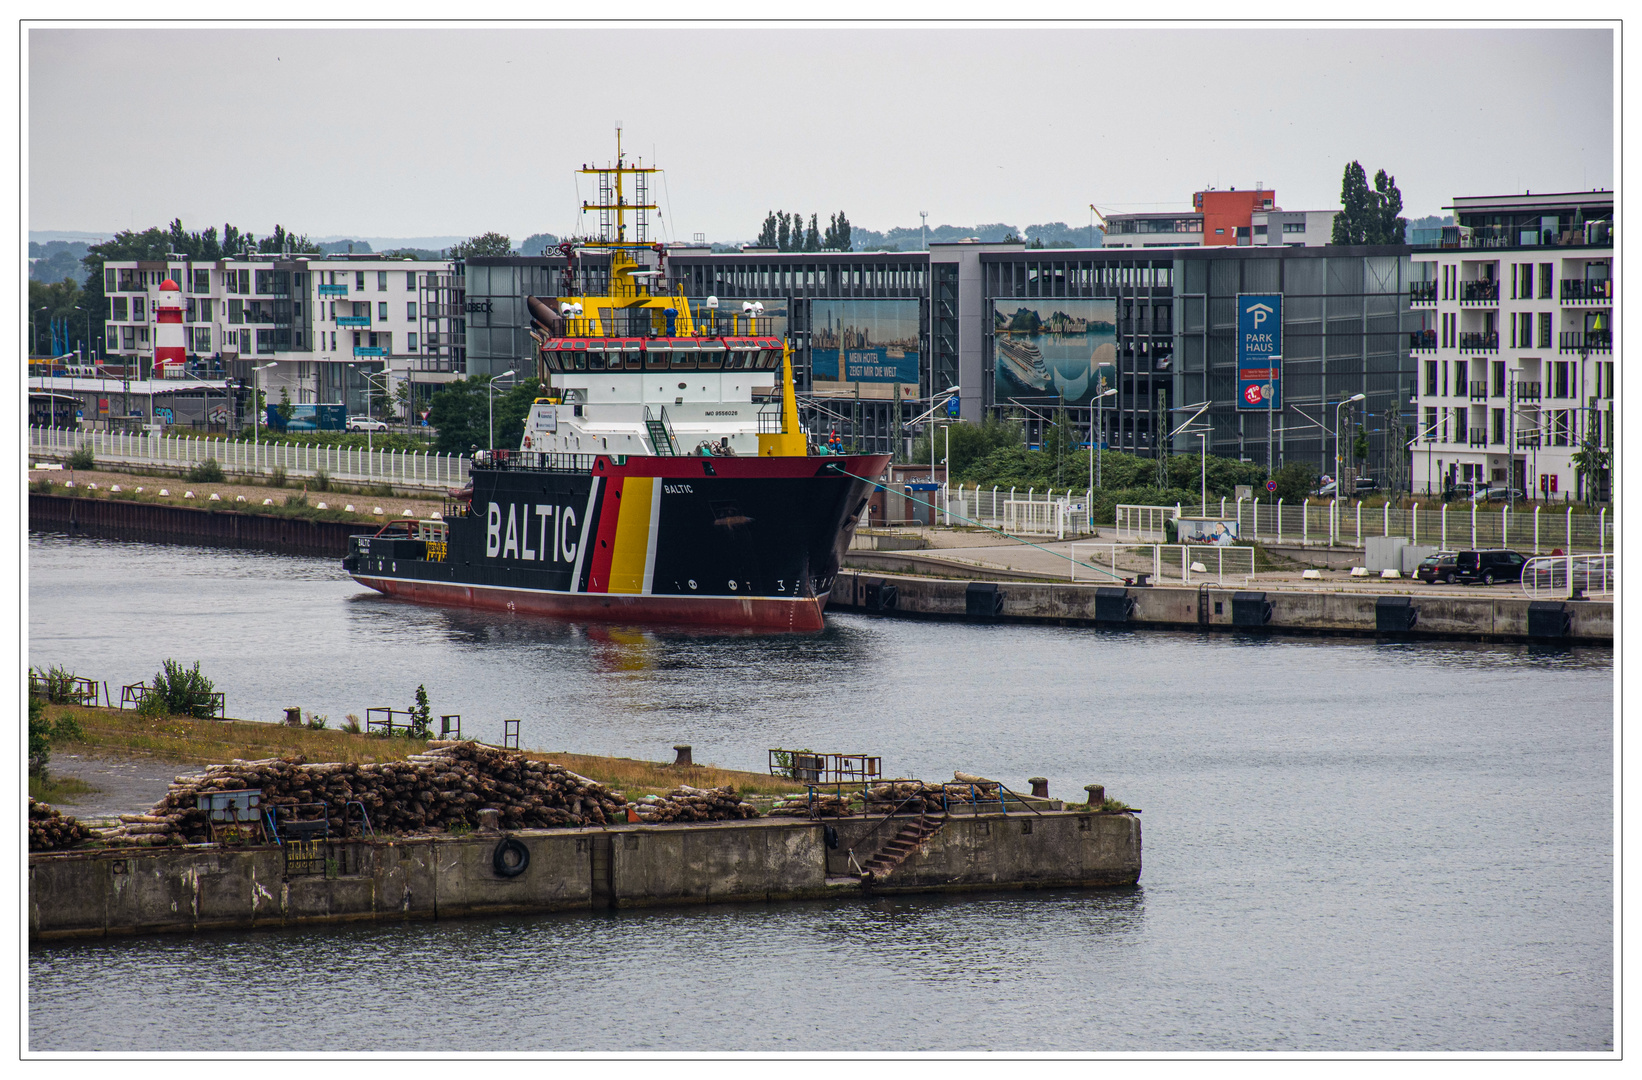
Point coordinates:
[(506, 848)]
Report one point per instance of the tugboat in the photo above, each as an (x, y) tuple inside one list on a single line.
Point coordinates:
[(649, 485)]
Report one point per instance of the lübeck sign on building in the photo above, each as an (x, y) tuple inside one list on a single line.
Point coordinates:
[(1259, 350)]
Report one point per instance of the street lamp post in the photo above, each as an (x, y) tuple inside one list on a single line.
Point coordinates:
[(1337, 408), (1096, 479), (490, 393), (256, 401)]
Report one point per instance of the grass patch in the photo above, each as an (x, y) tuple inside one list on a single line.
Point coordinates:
[(212, 742), (60, 789)]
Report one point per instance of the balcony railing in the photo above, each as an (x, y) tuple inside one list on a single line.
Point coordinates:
[(1479, 292), (1582, 341), (1479, 390), (1579, 291), (333, 290), (1528, 391), (353, 320), (1422, 292), (1479, 437), (1479, 341), (1422, 340), (1527, 439)]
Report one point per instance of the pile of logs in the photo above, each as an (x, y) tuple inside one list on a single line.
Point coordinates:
[(915, 794), (827, 804), (51, 831), (686, 803), (436, 791)]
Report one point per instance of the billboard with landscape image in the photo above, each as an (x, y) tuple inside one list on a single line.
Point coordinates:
[(867, 341), (1053, 352)]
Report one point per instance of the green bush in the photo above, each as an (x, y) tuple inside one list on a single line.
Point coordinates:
[(276, 476), (322, 480), (179, 691), (421, 715), (42, 485), (81, 458), (317, 723), (296, 500), (56, 684), (39, 738), (207, 472)]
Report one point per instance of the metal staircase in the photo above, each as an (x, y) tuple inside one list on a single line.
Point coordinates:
[(661, 435)]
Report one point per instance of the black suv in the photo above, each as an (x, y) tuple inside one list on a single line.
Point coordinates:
[(1496, 564), (1438, 566)]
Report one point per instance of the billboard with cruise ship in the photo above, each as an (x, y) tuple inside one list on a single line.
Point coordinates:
[(1053, 352)]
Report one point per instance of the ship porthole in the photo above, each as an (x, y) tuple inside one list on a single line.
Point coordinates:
[(692, 583), (732, 586)]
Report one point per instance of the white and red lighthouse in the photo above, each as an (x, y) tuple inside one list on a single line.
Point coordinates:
[(170, 344)]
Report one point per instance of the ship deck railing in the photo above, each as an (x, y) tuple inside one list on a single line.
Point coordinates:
[(648, 322), (534, 461)]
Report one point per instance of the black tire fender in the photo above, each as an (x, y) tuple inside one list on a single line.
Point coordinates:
[(500, 859)]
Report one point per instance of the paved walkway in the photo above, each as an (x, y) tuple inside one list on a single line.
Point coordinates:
[(1052, 559)]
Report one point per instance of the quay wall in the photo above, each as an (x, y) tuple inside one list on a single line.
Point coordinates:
[(109, 892), (164, 523), (1483, 615)]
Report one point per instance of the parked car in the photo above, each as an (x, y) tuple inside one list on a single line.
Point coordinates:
[(365, 423), (1438, 566), (1367, 485), (1488, 566), (1499, 494)]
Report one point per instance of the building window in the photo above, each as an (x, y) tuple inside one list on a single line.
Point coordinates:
[(1561, 369), (410, 311), (206, 307), (410, 341), (381, 281), (382, 311), (1430, 430), (1499, 427), (1293, 227), (1544, 281), (202, 281), (410, 280), (137, 309), (359, 280), (1220, 232), (333, 341), (1545, 329), (202, 339), (117, 307), (1430, 377)]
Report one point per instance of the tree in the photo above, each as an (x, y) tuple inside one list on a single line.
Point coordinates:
[(1295, 480), (421, 714), (837, 237), (285, 409), (1369, 216), (783, 231), (769, 234), (812, 236), (485, 244), (1359, 444), (1590, 462), (58, 300), (461, 412)]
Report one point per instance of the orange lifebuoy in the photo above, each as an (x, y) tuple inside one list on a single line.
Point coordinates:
[(527, 442)]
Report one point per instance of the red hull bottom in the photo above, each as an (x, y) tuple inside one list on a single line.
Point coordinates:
[(799, 615)]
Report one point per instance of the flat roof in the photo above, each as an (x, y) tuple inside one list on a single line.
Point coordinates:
[(1528, 201)]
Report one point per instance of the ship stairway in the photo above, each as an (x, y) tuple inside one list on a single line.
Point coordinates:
[(912, 836), (661, 435)]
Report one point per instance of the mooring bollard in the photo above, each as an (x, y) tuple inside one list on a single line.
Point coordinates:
[(293, 716), (1040, 786), (683, 752), (1097, 795), (490, 820)]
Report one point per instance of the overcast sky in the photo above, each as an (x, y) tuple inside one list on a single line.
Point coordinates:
[(419, 132)]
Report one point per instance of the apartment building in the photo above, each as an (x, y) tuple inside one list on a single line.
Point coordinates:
[(1514, 351), (335, 329), (1228, 218)]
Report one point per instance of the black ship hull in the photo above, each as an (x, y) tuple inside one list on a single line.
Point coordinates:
[(751, 542)]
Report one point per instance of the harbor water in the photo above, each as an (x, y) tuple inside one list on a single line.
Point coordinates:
[(1349, 845)]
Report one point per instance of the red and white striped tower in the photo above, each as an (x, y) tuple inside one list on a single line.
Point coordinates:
[(170, 344)]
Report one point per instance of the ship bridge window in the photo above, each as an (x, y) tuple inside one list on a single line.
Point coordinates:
[(712, 356), (656, 357), (578, 357), (684, 357), (769, 359), (632, 356), (595, 358)]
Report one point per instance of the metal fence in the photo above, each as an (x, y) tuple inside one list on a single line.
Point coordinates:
[(1552, 576), (403, 468), (1033, 510), (1538, 530), (1188, 564)]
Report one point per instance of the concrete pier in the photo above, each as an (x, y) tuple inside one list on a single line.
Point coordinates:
[(165, 890), (1483, 614)]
